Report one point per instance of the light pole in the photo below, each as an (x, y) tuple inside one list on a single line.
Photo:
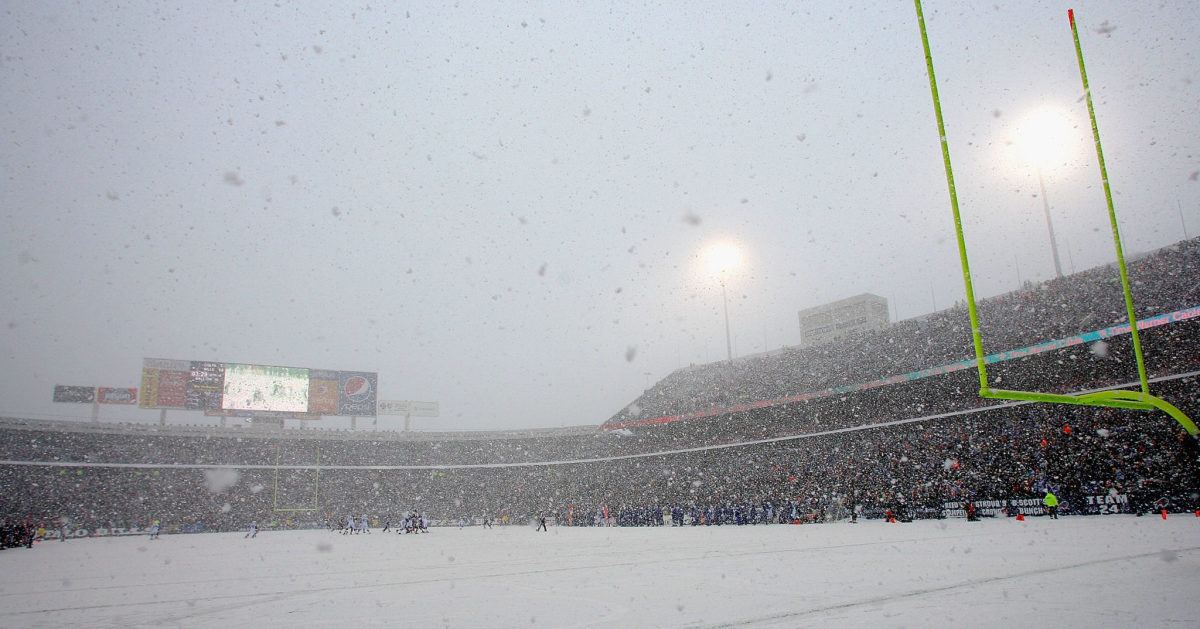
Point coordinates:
[(1049, 225), (725, 300), (720, 258), (1046, 140), (1182, 223)]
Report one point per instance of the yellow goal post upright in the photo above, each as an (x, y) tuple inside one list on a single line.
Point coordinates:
[(316, 485), (1140, 400)]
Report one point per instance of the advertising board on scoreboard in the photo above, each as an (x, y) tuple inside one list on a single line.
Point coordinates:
[(356, 395), (323, 388)]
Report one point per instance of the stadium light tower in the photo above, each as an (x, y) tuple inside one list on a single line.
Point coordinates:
[(721, 258), (1045, 138)]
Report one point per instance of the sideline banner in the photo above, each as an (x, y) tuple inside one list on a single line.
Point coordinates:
[(122, 531), (995, 508), (1107, 504), (1095, 504)]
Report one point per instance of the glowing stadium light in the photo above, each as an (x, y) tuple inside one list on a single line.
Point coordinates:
[(720, 258), (1045, 138)]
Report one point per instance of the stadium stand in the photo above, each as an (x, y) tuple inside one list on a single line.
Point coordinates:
[(865, 426)]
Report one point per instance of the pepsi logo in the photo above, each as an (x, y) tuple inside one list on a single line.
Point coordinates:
[(357, 388)]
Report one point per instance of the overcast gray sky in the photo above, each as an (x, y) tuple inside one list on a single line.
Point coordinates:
[(502, 207)]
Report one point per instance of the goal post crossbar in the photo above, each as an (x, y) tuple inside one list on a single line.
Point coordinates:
[(1120, 398)]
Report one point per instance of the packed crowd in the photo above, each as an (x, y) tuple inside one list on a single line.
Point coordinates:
[(1161, 282), (1067, 370), (131, 444), (911, 447), (1001, 454), (998, 453), (15, 533)]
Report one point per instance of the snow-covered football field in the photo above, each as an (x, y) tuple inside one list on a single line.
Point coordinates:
[(1100, 571)]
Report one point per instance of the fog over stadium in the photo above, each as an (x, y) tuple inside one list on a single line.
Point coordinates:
[(504, 207)]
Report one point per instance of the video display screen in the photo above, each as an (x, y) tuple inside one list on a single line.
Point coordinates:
[(265, 388), (214, 387)]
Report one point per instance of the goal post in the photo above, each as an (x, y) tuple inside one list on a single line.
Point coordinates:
[(1140, 400), (316, 485)]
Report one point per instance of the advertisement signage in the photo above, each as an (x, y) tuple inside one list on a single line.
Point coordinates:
[(424, 409), (408, 407), (74, 395), (394, 407), (234, 388), (323, 387), (116, 395), (164, 383), (356, 395), (172, 389)]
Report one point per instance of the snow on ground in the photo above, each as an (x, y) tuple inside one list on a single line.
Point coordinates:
[(1100, 571)]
